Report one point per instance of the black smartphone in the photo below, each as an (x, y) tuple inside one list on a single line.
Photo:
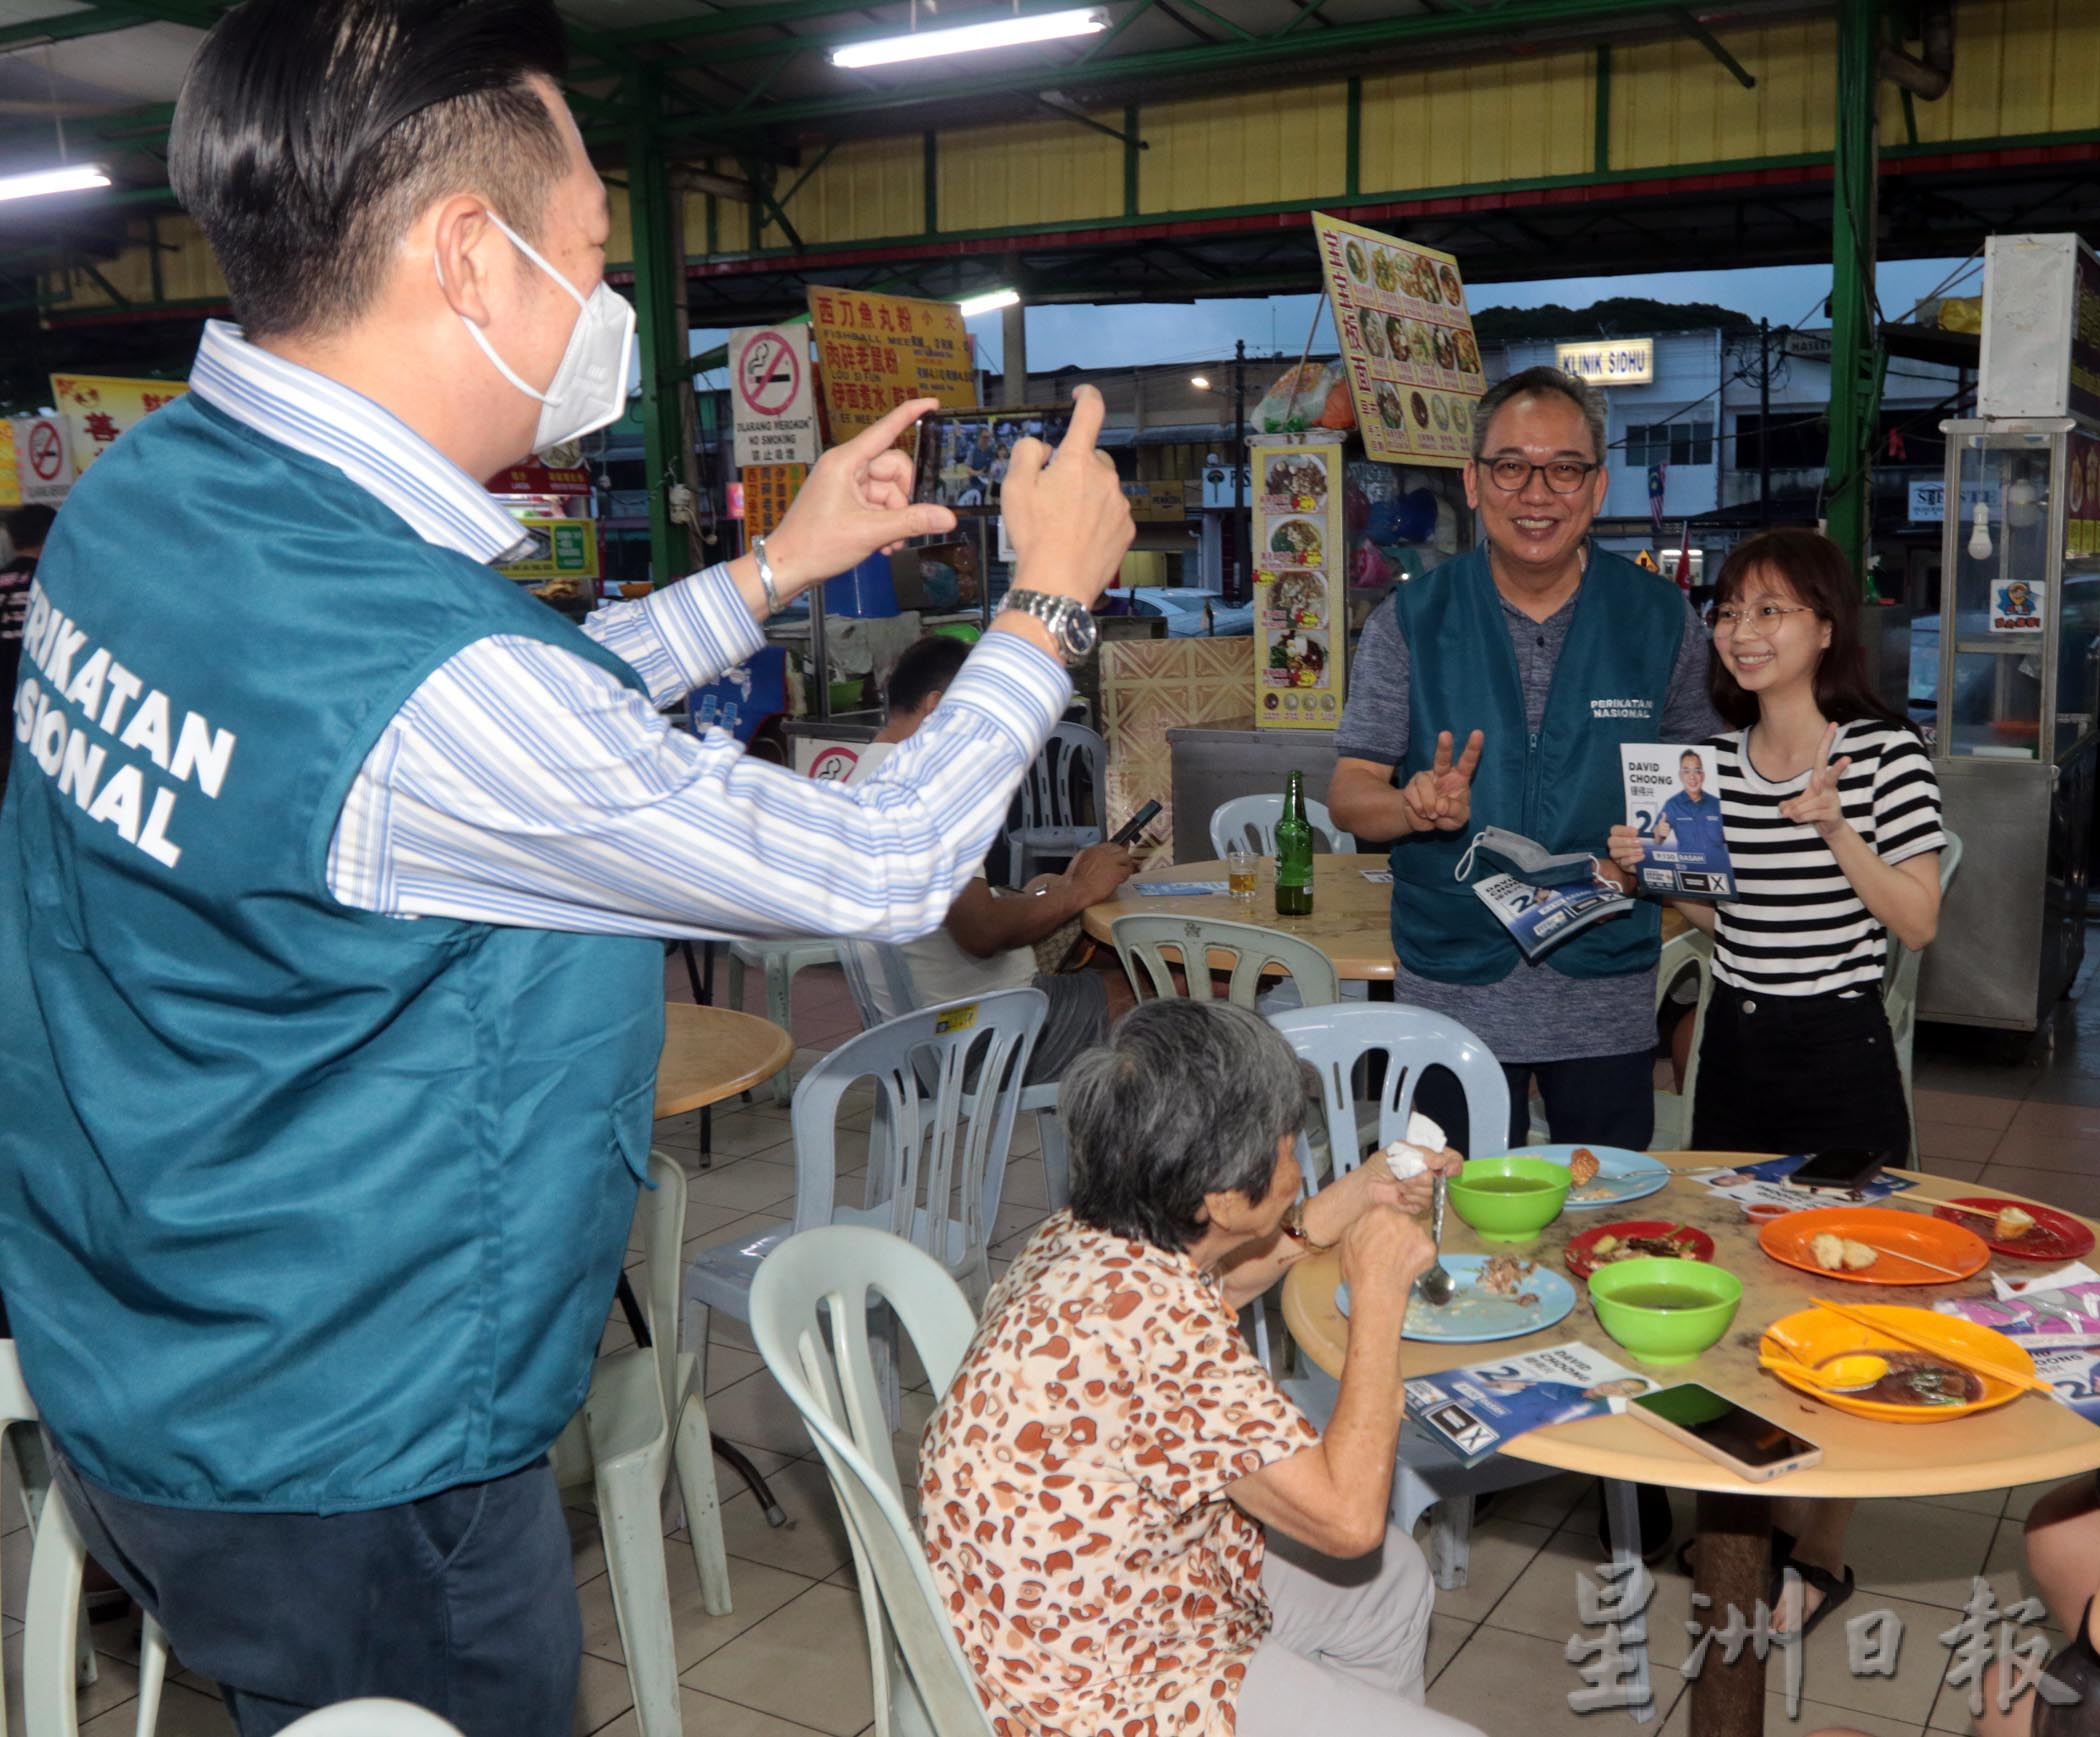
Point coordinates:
[(1754, 1447), (1135, 824), (1842, 1168), (963, 454)]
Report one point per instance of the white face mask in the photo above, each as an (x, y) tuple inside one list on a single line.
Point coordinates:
[(589, 388)]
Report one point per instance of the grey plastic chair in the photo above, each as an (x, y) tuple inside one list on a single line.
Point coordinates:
[(810, 1307), (1143, 943), (1051, 824), (867, 962), (1251, 821), (778, 961), (1899, 992), (945, 1100)]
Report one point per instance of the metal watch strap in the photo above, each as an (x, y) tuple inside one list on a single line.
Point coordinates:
[(765, 576), (1051, 611)]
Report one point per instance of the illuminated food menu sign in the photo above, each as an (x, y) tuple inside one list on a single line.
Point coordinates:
[(1300, 624), (1407, 341)]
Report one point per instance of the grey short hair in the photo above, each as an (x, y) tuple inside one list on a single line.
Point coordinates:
[(1187, 1098), (1580, 393)]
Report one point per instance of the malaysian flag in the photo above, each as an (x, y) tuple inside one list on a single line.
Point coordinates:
[(1657, 473)]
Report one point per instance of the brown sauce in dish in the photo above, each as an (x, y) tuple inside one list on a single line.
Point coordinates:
[(1916, 1378)]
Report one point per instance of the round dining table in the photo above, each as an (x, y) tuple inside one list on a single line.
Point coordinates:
[(1351, 921), (2032, 1439), (713, 1053)]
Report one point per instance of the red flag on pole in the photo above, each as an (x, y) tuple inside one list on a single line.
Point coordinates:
[(1684, 561)]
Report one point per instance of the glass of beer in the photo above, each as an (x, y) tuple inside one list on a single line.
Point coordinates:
[(1239, 873)]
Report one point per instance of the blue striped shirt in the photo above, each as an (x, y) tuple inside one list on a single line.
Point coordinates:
[(522, 785)]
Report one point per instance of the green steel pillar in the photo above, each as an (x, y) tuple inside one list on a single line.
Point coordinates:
[(1855, 341), (658, 283)]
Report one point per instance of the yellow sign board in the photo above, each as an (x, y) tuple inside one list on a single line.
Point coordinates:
[(769, 490), (1407, 342), (562, 549), (96, 409), (878, 351), (10, 482)]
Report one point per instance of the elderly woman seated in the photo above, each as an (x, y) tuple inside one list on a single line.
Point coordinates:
[(1135, 1531)]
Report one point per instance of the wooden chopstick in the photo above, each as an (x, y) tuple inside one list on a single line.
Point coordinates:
[(1915, 1260), (1962, 1360)]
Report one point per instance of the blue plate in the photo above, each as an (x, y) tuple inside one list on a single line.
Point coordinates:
[(1475, 1317), (1621, 1175)]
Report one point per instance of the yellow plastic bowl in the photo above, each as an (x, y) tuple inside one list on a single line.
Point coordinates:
[(1814, 1334)]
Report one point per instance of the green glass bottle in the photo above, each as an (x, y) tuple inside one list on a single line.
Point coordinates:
[(1294, 871)]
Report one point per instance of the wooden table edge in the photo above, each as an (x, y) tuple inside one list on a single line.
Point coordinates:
[(778, 1053)]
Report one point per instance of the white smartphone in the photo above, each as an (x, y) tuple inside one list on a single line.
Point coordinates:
[(1751, 1446)]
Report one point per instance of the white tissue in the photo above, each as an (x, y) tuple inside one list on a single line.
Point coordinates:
[(2077, 1273), (1408, 1158)]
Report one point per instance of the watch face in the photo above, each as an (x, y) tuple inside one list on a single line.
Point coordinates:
[(1078, 632)]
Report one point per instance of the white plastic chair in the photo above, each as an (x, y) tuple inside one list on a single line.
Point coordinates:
[(864, 962), (54, 1650), (779, 960), (810, 1306), (1691, 951), (1899, 993), (1251, 821), (371, 1718), (643, 1419), (1145, 942), (1050, 825), (945, 1102)]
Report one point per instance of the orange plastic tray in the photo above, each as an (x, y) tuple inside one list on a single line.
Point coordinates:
[(1894, 1234)]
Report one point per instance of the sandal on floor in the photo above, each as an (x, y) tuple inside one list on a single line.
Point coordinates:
[(1813, 1579)]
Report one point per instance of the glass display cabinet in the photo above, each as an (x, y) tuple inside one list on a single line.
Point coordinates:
[(2012, 723)]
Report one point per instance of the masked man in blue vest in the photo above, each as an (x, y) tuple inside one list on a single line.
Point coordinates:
[(1494, 692), (332, 915)]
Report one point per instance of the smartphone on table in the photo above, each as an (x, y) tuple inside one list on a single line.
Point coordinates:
[(1751, 1446), (1842, 1168)]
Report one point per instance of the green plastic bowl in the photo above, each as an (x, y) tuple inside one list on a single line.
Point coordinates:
[(1665, 1335), (1510, 1217)]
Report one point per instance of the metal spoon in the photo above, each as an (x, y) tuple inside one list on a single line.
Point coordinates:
[(1436, 1285), (1853, 1373)]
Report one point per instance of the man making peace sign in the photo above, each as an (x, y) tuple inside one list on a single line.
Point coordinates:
[(1496, 691)]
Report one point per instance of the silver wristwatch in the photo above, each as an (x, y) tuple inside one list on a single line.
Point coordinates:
[(1070, 624)]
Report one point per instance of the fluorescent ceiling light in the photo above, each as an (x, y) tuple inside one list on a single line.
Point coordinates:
[(77, 179), (969, 38), (988, 303)]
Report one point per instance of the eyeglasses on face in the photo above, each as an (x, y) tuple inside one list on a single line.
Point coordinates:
[(1563, 476), (1767, 615)]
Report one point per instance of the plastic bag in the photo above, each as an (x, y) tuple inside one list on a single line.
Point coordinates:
[(1303, 397)]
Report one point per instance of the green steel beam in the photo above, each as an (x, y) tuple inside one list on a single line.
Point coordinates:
[(1601, 154), (1353, 140), (657, 282), (1311, 10), (1262, 51), (930, 193), (1131, 160), (1855, 367), (1714, 46), (1101, 43)]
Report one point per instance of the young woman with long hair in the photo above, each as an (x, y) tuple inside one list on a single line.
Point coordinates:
[(1831, 815)]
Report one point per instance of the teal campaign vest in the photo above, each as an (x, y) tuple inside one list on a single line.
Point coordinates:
[(302, 1208), (1561, 786)]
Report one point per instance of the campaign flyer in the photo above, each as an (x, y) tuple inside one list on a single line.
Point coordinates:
[(1477, 1410), (1540, 918), (1673, 800)]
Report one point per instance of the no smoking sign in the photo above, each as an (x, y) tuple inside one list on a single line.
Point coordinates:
[(46, 452), (775, 422)]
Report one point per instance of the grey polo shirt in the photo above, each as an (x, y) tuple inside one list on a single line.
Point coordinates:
[(1536, 1013)]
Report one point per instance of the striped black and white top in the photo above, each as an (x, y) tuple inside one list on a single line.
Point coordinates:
[(1796, 926)]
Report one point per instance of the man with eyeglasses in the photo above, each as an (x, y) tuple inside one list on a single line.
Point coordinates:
[(1496, 691)]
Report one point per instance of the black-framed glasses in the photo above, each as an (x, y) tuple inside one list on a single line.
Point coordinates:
[(1563, 476)]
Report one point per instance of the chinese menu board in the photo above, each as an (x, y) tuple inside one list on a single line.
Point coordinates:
[(1407, 342), (96, 410), (1300, 616), (2082, 496), (878, 351), (769, 490)]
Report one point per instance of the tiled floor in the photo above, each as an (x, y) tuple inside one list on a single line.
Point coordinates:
[(791, 1661)]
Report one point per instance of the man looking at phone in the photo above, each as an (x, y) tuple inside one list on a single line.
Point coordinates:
[(1497, 691), (986, 944), (332, 917)]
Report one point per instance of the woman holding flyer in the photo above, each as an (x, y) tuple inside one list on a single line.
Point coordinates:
[(1831, 815)]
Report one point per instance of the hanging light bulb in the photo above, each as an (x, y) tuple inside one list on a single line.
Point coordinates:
[(1980, 537), (2022, 503)]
